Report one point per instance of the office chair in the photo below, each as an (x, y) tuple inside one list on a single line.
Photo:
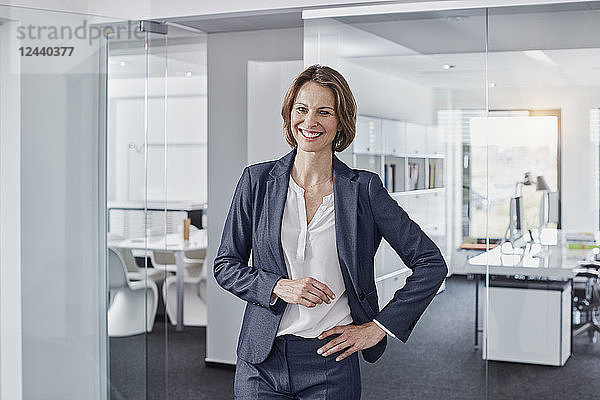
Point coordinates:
[(132, 304), (586, 299)]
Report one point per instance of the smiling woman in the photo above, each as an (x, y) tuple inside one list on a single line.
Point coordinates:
[(334, 102), (310, 289)]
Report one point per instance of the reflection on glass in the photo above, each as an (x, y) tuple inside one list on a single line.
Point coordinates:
[(543, 82), (54, 300), (157, 184), (418, 79)]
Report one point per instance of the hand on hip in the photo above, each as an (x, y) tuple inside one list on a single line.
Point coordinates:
[(352, 338)]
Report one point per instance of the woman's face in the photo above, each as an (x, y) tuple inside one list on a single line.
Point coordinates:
[(314, 121)]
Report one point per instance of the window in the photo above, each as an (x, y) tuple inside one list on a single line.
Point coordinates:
[(503, 147)]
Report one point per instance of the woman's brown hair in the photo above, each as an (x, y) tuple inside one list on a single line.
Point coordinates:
[(345, 105)]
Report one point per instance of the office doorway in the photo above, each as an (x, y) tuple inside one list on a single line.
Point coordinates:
[(156, 201)]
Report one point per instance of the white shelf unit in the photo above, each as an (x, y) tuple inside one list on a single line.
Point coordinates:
[(410, 160)]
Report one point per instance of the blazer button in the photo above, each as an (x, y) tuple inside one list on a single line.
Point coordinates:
[(361, 296)]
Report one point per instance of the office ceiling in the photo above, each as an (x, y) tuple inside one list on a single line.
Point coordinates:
[(557, 45), (528, 47), (290, 18)]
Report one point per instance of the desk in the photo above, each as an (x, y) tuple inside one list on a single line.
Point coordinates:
[(176, 244), (532, 308)]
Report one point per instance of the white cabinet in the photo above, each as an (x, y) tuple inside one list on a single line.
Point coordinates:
[(416, 138), (417, 207), (368, 135), (387, 261), (370, 162), (394, 136), (435, 221), (386, 288), (413, 172), (528, 322), (347, 156), (434, 144)]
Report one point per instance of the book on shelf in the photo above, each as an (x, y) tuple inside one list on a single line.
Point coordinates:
[(393, 176), (386, 176), (389, 177), (413, 176), (431, 175)]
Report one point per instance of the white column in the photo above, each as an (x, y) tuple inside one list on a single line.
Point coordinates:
[(10, 218)]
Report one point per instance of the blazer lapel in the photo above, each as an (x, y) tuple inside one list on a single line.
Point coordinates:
[(345, 189), (276, 192)]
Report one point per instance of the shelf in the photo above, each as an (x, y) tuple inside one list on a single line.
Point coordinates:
[(401, 155), (418, 191)]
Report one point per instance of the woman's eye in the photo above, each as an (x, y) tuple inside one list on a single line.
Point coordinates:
[(325, 113), (301, 109)]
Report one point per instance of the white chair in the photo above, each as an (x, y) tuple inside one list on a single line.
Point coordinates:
[(132, 304), (194, 286), (134, 272)]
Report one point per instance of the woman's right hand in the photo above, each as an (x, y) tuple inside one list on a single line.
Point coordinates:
[(305, 291)]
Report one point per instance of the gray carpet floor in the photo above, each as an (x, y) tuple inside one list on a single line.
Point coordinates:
[(439, 361)]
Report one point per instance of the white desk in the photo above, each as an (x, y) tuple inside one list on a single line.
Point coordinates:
[(550, 260), (173, 243), (528, 317)]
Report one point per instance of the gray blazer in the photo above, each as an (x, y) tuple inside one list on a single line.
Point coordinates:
[(364, 213)]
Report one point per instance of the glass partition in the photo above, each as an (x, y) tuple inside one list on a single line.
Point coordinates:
[(504, 103), (540, 320), (184, 178), (100, 171), (157, 109), (135, 358), (419, 79), (53, 293)]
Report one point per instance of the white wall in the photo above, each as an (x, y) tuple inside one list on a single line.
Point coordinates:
[(228, 57), (268, 82), (387, 96), (186, 140)]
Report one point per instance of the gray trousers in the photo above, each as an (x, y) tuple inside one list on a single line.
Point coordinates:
[(294, 370)]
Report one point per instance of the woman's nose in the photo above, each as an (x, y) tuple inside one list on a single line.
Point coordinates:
[(311, 118)]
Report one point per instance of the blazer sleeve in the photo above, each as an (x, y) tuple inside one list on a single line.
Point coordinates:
[(231, 269), (417, 251)]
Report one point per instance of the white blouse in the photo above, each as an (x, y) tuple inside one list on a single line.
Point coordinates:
[(311, 251)]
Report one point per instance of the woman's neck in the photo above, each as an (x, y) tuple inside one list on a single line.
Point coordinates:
[(312, 168)]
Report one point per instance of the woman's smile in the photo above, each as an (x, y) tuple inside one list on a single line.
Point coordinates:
[(310, 134)]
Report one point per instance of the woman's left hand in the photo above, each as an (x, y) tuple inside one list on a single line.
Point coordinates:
[(352, 338)]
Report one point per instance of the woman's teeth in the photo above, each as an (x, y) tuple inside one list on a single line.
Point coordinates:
[(310, 134)]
